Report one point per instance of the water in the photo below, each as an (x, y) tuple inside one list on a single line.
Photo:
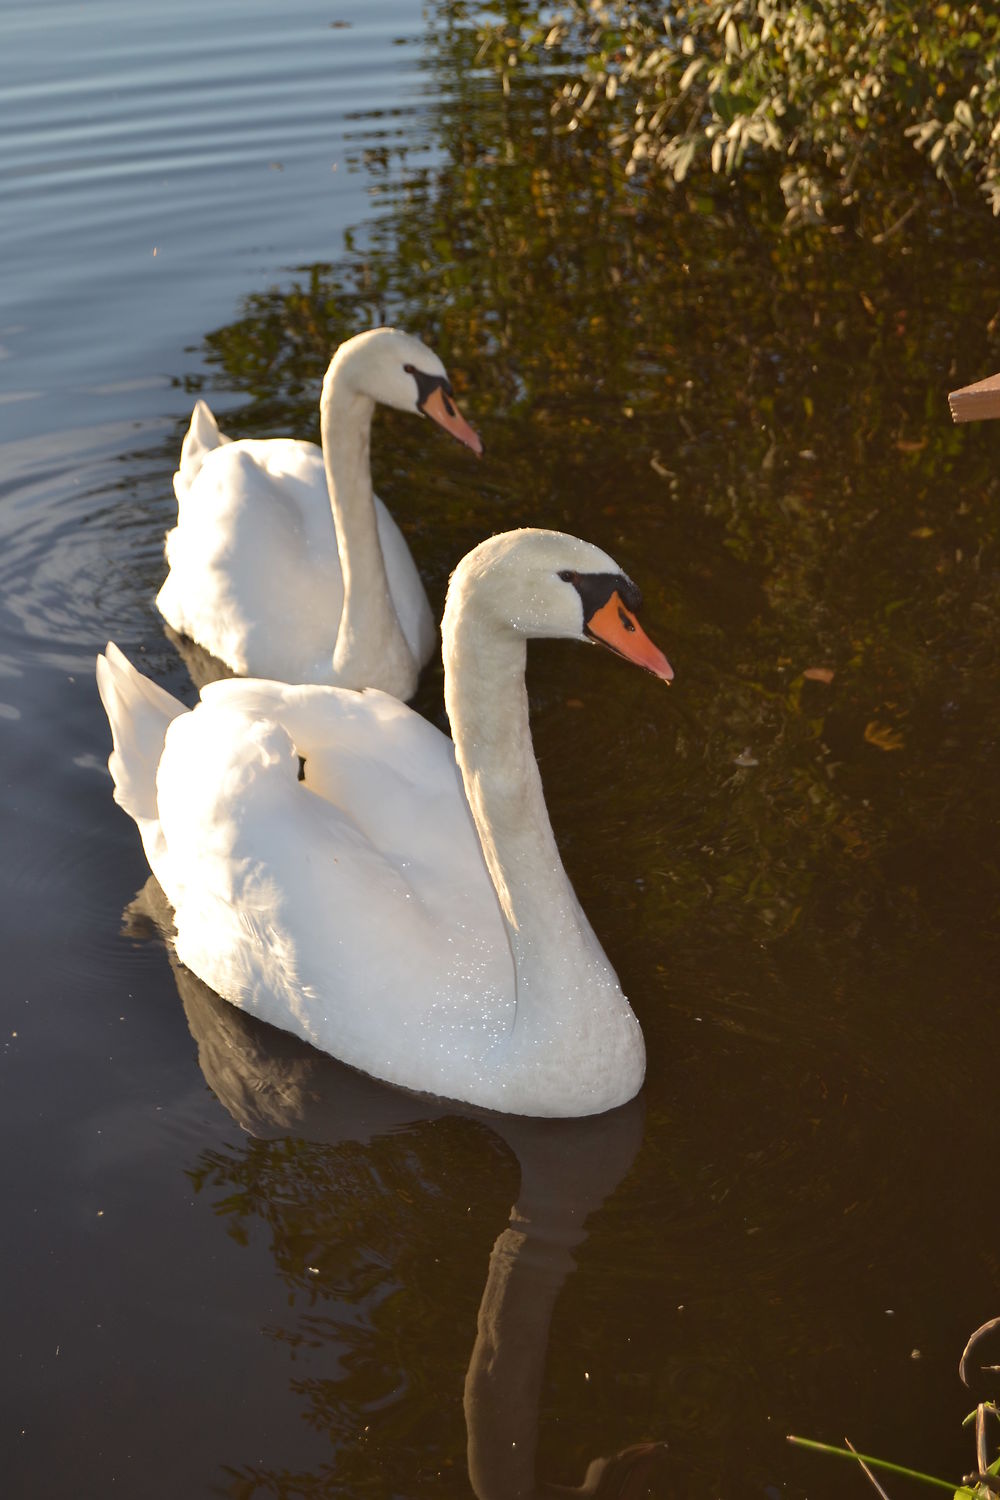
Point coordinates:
[(236, 1269)]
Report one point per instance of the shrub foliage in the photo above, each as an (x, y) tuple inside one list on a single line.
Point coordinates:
[(853, 103)]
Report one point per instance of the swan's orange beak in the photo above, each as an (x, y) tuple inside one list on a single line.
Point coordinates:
[(617, 628), (441, 408)]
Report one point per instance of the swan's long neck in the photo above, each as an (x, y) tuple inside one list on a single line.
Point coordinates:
[(370, 643), (568, 998)]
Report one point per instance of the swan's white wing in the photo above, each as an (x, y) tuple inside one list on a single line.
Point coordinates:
[(392, 773), (358, 914), (255, 575), (140, 713), (254, 572), (201, 438)]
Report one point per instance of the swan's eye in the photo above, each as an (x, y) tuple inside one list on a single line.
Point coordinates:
[(568, 576), (427, 385)]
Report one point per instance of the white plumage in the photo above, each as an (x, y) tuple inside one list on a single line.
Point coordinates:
[(404, 907), (268, 532)]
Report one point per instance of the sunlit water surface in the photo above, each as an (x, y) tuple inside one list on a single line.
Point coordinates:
[(233, 1268)]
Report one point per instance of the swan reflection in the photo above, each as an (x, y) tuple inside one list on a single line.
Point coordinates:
[(202, 666), (275, 1086)]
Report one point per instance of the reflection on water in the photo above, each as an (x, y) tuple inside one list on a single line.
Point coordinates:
[(318, 1112), (202, 666), (794, 859)]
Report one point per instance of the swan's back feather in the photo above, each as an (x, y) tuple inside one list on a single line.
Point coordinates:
[(392, 776), (140, 713), (201, 437)]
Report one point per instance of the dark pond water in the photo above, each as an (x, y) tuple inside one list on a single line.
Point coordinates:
[(231, 1268)]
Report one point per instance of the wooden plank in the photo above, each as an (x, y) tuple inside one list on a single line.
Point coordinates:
[(976, 403)]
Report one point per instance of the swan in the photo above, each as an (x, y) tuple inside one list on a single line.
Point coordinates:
[(263, 577), (402, 906)]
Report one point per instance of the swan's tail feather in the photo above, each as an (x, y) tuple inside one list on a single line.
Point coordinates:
[(140, 713), (202, 437)]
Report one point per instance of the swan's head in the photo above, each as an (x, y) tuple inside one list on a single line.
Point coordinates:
[(395, 368), (545, 583)]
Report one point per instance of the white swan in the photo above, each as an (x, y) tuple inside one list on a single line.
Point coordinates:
[(265, 578), (358, 908)]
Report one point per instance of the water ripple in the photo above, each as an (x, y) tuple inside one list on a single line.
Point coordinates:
[(68, 575)]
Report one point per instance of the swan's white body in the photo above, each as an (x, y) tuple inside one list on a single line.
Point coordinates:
[(269, 531), (254, 532), (359, 908)]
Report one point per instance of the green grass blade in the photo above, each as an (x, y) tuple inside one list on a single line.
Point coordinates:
[(881, 1463)]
